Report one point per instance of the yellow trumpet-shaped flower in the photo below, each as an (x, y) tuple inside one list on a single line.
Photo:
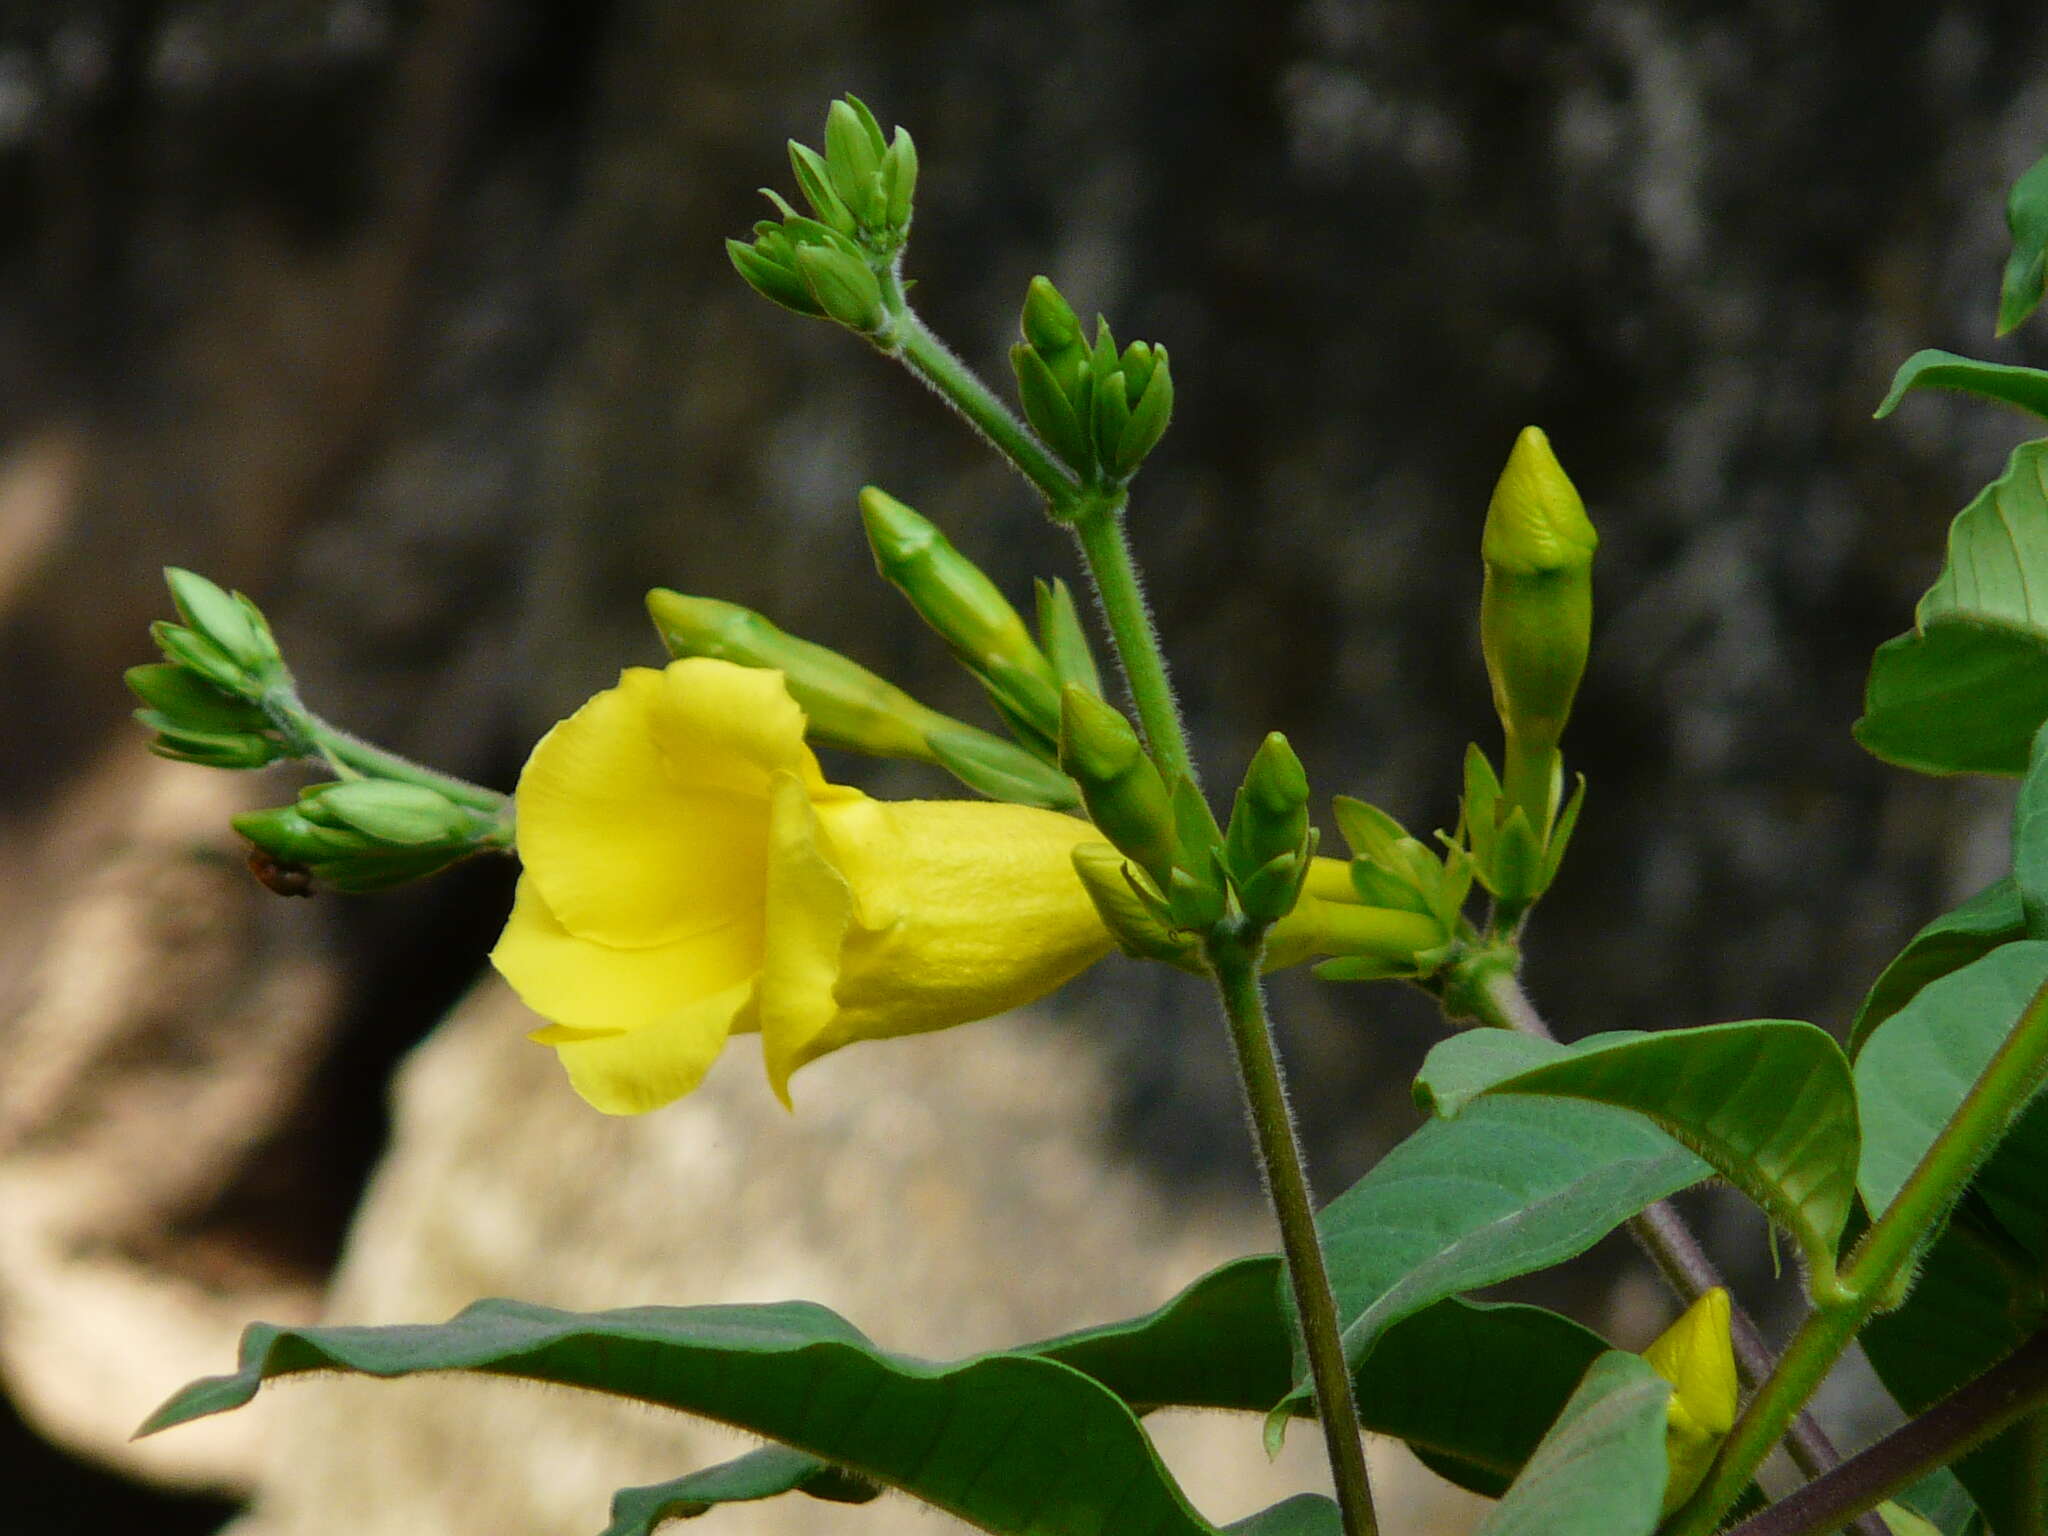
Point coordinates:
[(690, 874), (1696, 1356)]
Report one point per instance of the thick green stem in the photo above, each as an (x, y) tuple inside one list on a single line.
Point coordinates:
[(1670, 1245), (2001, 1090), (1235, 963), (958, 385), (1100, 528)]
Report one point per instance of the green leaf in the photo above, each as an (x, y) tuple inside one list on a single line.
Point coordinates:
[(1770, 1103), (1306, 1514), (762, 1474), (1511, 1186), (1942, 1501), (1916, 1067), (1472, 1388), (1966, 689), (2026, 215), (1008, 1443), (1970, 1307), (1601, 1470), (2030, 840), (2026, 388), (1988, 919)]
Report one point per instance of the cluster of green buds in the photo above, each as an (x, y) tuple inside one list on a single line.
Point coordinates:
[(364, 835), (223, 698), (1535, 627), (1169, 880), (840, 263), (1101, 411), (848, 707), (206, 700)]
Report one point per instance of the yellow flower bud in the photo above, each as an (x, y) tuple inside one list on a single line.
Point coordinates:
[(1696, 1356), (690, 874)]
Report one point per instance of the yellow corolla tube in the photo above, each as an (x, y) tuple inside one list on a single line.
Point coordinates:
[(1696, 1356), (690, 874)]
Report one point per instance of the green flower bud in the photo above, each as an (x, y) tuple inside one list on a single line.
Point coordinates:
[(899, 184), (845, 704), (771, 279), (286, 834), (183, 698), (951, 594), (844, 287), (1269, 823), (209, 749), (1536, 611), (386, 811), (1049, 322), (1000, 769), (202, 657), (1111, 413), (854, 147), (1149, 417), (1049, 411), (229, 620), (1123, 790), (815, 180)]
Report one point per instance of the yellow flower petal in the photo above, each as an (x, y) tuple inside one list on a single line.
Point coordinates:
[(1696, 1356), (588, 989), (631, 1073), (961, 910), (810, 909)]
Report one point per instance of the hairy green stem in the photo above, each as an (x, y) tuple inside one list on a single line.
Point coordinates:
[(2008, 1080), (1670, 1245), (959, 386), (347, 753), (1099, 525), (1963, 1420), (1234, 960)]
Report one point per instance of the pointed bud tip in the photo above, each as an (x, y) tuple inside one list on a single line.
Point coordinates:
[(1536, 520)]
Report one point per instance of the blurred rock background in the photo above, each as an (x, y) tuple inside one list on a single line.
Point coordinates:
[(413, 321)]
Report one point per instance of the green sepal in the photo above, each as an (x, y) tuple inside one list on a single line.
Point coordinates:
[(1028, 702), (1064, 640), (994, 767), (210, 749), (1133, 915), (844, 286), (185, 700), (1111, 413), (1048, 410), (1102, 358), (1561, 833), (1126, 797), (1271, 891), (2026, 270), (285, 833), (1197, 902), (1367, 968)]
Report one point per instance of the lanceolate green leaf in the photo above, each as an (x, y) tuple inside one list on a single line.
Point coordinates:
[(1915, 1067), (1769, 1103), (2026, 388), (1990, 918), (1601, 1470), (762, 1474), (1965, 689), (1972, 1304), (1512, 1186), (1006, 1443), (2030, 841), (1306, 1514)]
